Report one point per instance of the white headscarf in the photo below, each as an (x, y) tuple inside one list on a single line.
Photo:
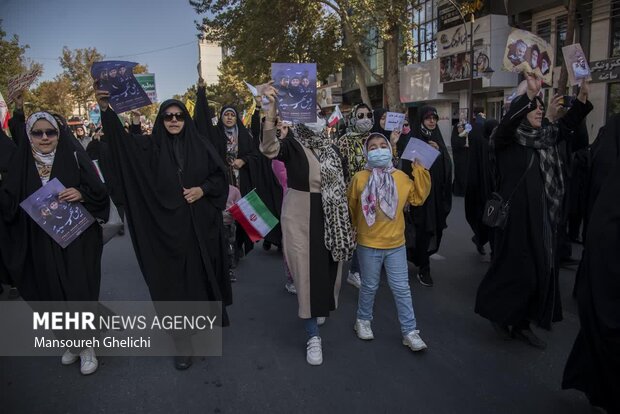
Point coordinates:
[(42, 161)]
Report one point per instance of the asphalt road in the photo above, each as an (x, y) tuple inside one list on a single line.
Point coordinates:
[(467, 368)]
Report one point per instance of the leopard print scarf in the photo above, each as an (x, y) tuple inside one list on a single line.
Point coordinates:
[(339, 238)]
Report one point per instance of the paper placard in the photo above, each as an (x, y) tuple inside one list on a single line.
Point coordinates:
[(576, 64), (61, 220), (296, 85), (393, 120), (20, 83), (418, 149), (526, 52)]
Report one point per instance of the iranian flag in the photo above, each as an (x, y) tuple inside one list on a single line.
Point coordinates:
[(253, 215), (335, 117), (5, 115)]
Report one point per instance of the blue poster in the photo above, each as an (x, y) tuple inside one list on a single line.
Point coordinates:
[(62, 221), (116, 77), (94, 114), (296, 84)]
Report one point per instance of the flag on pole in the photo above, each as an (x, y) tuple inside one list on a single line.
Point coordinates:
[(190, 105), (4, 113), (254, 216), (335, 117), (247, 117)]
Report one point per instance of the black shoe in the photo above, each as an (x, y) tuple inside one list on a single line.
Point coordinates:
[(527, 336), (502, 330), (266, 245), (232, 276), (13, 293), (182, 362), (425, 278), (569, 261)]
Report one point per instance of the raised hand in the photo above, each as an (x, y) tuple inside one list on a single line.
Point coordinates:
[(534, 83), (103, 98)]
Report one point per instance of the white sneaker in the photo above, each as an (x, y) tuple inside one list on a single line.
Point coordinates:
[(354, 279), (290, 288), (69, 358), (88, 361), (363, 330), (320, 320), (314, 351), (413, 341)]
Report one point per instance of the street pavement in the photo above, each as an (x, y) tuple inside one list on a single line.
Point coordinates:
[(466, 369)]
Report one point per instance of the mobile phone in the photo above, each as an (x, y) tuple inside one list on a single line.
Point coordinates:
[(566, 101)]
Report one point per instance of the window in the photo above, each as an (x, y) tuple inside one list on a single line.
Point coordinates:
[(561, 26), (424, 15), (615, 28), (543, 29)]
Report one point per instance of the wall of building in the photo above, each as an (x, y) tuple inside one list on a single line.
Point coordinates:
[(210, 55)]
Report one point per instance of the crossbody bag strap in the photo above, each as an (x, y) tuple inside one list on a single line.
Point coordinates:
[(521, 179)]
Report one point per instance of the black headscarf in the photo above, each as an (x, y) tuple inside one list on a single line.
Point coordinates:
[(377, 114)]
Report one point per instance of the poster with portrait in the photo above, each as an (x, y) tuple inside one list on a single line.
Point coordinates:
[(62, 221), (18, 84), (576, 64), (526, 52), (117, 77), (296, 84)]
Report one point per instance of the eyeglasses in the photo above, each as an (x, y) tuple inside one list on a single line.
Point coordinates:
[(361, 115), (405, 125), (38, 133), (179, 116)]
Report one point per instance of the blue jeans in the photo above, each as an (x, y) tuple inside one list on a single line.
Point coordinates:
[(312, 327), (395, 262), (355, 263)]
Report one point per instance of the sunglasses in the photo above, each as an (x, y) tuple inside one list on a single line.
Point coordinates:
[(179, 116), (405, 125), (38, 133), (361, 115)]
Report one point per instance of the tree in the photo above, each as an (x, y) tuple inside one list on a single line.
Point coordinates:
[(12, 58), (76, 69), (259, 32), (53, 96)]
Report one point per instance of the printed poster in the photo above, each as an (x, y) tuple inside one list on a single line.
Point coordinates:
[(117, 77), (526, 52), (296, 85), (576, 64), (21, 82), (61, 220), (147, 81)]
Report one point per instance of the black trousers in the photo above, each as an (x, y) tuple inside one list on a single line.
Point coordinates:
[(419, 254)]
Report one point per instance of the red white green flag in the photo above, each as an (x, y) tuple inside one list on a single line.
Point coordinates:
[(254, 216)]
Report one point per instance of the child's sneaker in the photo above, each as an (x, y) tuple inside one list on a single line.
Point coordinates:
[(413, 341)]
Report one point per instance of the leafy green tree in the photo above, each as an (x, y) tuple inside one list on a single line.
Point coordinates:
[(13, 59), (54, 96), (76, 69)]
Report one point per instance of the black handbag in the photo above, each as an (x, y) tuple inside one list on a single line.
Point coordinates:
[(496, 209)]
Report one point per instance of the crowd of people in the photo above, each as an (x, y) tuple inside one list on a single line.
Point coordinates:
[(344, 201)]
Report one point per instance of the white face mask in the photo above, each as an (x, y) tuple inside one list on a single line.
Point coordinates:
[(317, 127)]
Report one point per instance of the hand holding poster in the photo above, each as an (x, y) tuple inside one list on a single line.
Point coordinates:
[(526, 52), (394, 120), (63, 221), (117, 77), (576, 64), (418, 149), (22, 82), (296, 85)]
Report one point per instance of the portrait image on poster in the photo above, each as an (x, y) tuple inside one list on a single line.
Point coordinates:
[(576, 64), (296, 84), (63, 221), (526, 52), (117, 77)]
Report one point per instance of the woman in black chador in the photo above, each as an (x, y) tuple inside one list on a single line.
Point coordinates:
[(43, 270), (594, 363), (461, 143), (479, 183), (521, 284), (429, 220), (174, 185)]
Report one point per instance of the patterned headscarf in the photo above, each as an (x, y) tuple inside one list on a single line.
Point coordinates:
[(42, 161), (380, 189), (339, 238)]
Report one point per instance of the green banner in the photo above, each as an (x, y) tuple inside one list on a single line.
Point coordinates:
[(147, 81)]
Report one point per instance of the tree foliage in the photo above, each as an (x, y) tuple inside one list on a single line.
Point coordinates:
[(76, 69), (13, 61), (53, 96)]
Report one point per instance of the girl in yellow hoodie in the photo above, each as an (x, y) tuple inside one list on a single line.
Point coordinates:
[(377, 196)]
